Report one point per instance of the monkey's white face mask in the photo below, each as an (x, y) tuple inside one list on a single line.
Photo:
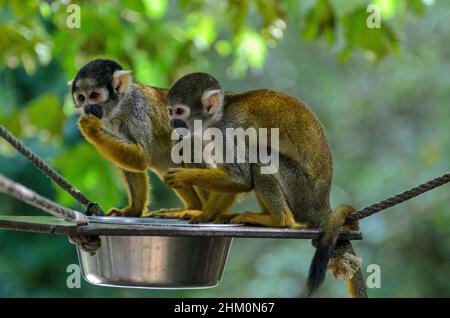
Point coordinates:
[(184, 116), (97, 100)]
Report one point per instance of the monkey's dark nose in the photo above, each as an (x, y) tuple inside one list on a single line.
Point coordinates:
[(94, 109), (177, 123)]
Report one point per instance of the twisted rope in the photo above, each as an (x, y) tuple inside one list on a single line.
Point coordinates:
[(24, 194), (399, 198), (91, 207), (94, 208)]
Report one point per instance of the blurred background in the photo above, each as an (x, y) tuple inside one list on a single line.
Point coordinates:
[(382, 94)]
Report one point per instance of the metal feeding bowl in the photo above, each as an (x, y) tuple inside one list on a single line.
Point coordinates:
[(156, 261)]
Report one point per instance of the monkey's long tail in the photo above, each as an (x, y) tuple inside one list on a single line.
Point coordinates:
[(325, 248)]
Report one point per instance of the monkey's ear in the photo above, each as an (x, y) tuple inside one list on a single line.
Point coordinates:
[(212, 100), (122, 81), (69, 83)]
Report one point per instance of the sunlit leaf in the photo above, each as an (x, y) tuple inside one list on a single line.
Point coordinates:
[(201, 29), (155, 8), (375, 42), (223, 47), (250, 52), (388, 8)]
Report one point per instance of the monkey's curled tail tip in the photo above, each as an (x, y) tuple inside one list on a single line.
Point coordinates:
[(318, 268)]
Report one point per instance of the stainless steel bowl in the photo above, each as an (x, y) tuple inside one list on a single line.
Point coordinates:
[(155, 261)]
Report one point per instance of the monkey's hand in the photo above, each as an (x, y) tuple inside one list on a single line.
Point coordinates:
[(203, 217), (126, 155), (211, 215), (90, 125), (179, 177), (225, 218)]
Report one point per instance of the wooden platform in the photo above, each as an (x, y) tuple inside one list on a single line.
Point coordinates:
[(52, 225)]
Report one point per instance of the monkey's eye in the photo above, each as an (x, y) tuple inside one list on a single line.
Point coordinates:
[(81, 98), (93, 95), (170, 111), (179, 111)]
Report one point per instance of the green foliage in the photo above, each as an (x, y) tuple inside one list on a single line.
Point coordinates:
[(376, 43), (320, 21), (45, 113), (175, 36), (347, 21), (382, 95), (83, 160)]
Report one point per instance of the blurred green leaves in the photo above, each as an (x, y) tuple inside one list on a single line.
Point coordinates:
[(155, 8), (348, 22), (250, 51), (83, 163), (22, 32), (179, 39), (45, 113), (320, 21), (388, 7), (376, 43)]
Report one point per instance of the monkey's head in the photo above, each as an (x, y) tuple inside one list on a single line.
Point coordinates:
[(196, 96), (99, 86)]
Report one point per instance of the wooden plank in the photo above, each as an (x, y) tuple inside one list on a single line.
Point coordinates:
[(52, 225)]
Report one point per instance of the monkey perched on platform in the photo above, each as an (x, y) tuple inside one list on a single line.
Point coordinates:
[(128, 123), (294, 196)]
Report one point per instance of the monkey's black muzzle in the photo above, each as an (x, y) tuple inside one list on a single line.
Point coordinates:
[(177, 123), (93, 109)]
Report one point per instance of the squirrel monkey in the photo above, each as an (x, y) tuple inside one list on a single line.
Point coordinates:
[(128, 123), (297, 194)]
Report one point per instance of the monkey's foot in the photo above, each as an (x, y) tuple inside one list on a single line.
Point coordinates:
[(264, 219), (149, 214), (182, 214), (207, 217), (344, 266), (89, 244), (225, 218), (128, 212)]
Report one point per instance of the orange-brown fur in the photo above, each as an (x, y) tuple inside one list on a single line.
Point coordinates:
[(297, 195)]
